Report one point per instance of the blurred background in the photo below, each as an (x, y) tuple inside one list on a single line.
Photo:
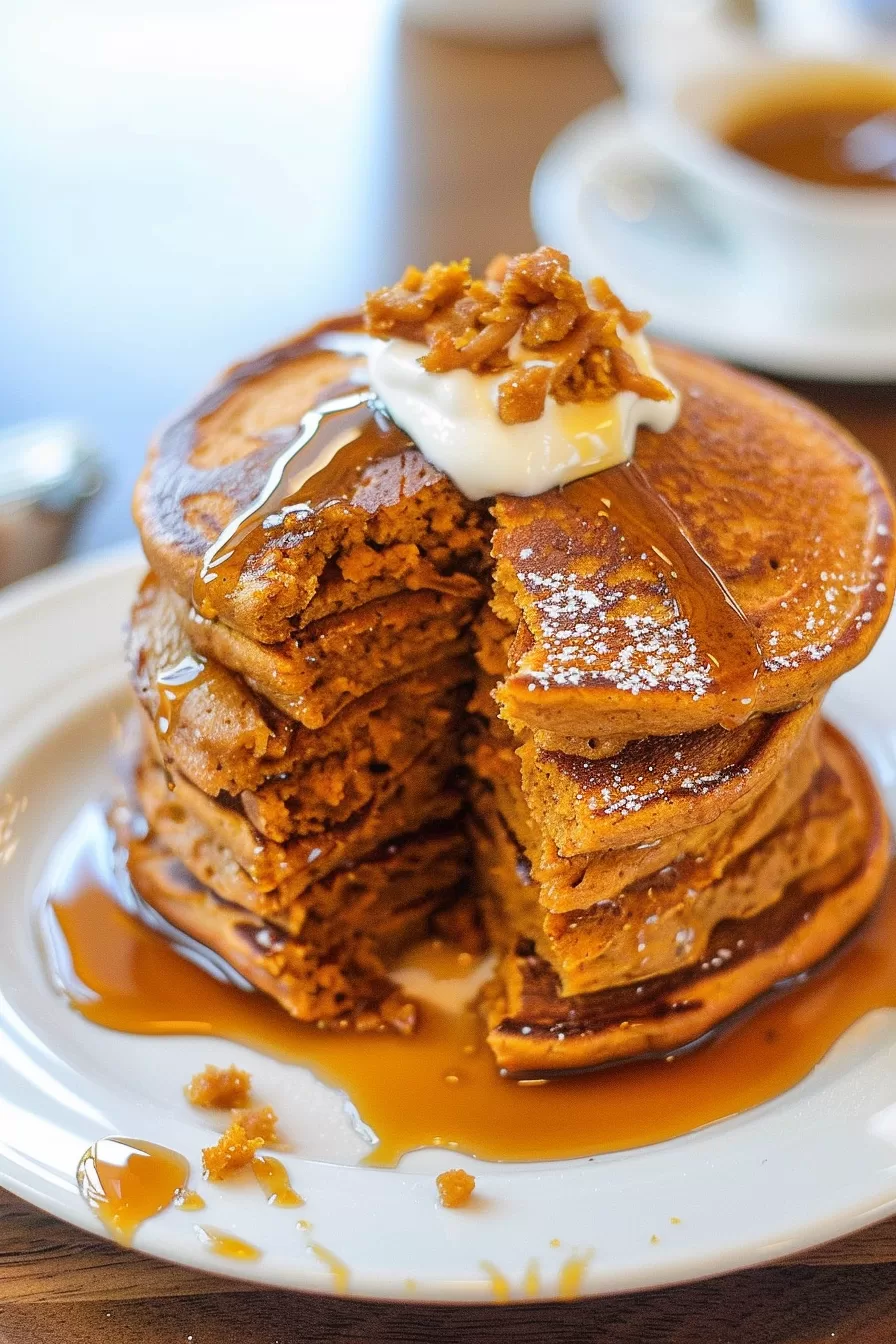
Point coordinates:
[(186, 180)]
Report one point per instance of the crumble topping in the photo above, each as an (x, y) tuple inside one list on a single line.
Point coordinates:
[(258, 1122), (527, 314), (455, 1188), (222, 1089), (233, 1151)]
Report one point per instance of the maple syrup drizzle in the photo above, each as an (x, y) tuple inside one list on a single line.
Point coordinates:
[(118, 972), (531, 1280), (190, 1201), (272, 1176), (569, 1278), (572, 1271), (126, 1181), (334, 442), (500, 1284), (173, 685), (719, 627), (226, 1244), (339, 1270)]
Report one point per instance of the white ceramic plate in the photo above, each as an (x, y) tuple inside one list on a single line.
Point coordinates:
[(602, 194), (812, 1165)]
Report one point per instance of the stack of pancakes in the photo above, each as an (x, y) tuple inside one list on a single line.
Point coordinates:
[(356, 681)]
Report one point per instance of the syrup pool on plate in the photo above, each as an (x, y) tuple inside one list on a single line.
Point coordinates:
[(441, 1088), (127, 1181)]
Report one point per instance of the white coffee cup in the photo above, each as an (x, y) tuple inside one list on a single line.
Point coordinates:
[(817, 246)]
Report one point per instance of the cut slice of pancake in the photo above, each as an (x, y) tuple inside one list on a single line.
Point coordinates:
[(391, 521), (288, 780), (697, 857), (313, 675), (313, 979), (576, 883), (534, 1029), (627, 584), (222, 849), (650, 790)]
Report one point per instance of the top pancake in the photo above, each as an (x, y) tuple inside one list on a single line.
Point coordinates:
[(626, 623), (628, 601), (386, 520)]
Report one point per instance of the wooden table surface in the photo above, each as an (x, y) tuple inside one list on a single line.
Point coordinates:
[(434, 144)]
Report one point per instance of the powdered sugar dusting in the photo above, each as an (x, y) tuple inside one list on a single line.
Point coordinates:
[(621, 794), (838, 603), (586, 638)]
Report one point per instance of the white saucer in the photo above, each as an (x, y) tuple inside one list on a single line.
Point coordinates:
[(602, 194), (818, 1162)]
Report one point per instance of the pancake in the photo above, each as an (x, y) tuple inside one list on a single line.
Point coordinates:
[(390, 522), (652, 789), (287, 780), (221, 849), (656, 787), (338, 984), (533, 1029), (567, 884), (312, 676), (753, 494), (574, 884)]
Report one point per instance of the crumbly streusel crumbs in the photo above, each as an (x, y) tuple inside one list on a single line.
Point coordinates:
[(455, 1188), (531, 300), (416, 297), (521, 395), (259, 1122), (219, 1088), (233, 1151)]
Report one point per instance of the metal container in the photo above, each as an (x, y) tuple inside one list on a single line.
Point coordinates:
[(48, 470)]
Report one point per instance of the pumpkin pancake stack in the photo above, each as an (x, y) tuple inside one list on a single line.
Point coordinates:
[(605, 697)]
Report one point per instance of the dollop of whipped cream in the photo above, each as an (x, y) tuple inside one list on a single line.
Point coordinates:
[(453, 419)]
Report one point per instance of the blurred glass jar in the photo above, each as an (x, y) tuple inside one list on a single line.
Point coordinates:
[(48, 470)]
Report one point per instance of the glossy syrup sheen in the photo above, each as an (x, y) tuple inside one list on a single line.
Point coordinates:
[(441, 1088), (272, 1176), (344, 432), (126, 1181), (720, 629), (226, 1244), (173, 685)]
